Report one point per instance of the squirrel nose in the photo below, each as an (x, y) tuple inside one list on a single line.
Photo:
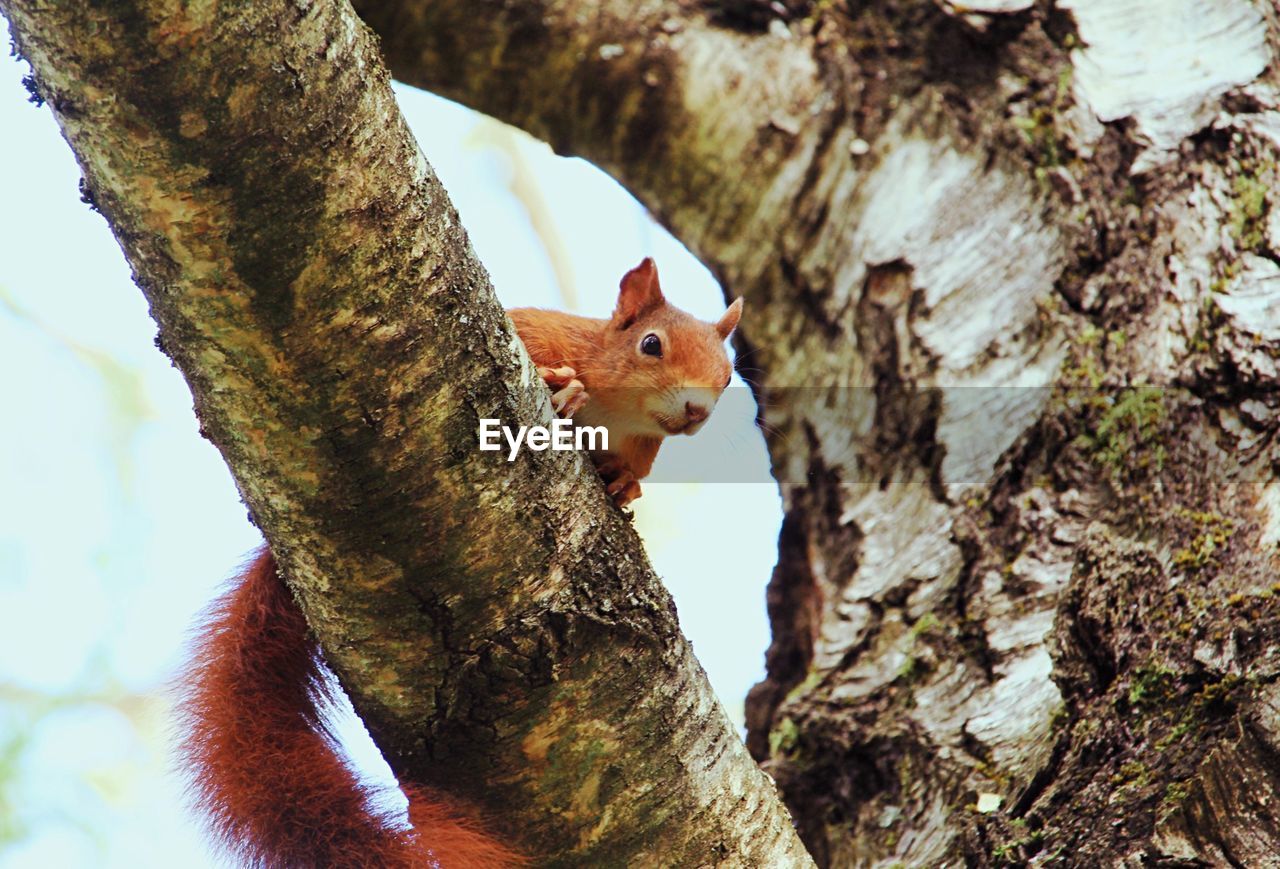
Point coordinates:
[(695, 412)]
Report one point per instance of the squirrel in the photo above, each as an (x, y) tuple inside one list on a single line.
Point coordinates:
[(650, 371), (260, 758)]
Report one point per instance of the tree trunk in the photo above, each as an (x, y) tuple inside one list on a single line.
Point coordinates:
[(496, 624), (1013, 270)]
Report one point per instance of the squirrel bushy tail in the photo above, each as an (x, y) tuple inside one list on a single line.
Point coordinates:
[(262, 761)]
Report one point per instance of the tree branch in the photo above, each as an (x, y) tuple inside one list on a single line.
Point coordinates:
[(497, 625), (922, 195)]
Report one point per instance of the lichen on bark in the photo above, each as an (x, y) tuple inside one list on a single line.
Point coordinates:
[(496, 624)]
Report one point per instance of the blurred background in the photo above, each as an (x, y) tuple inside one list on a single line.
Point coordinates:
[(118, 523)]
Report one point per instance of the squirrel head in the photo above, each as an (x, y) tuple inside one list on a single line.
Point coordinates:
[(665, 368)]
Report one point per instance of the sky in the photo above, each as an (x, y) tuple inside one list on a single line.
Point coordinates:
[(118, 523)]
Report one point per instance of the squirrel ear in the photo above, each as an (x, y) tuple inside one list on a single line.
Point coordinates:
[(729, 319), (639, 292)]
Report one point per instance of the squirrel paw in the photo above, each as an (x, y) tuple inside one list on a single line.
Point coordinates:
[(620, 483), (568, 395)]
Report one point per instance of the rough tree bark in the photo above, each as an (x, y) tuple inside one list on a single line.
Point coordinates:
[(1014, 269), (497, 625)]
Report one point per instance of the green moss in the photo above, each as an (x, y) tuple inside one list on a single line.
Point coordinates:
[(1248, 212), (811, 681), (1211, 533), (1125, 436), (1216, 694), (1039, 131), (1011, 851), (1155, 691), (924, 624), (1176, 734), (913, 667), (1083, 367), (1175, 795), (1132, 774), (784, 737), (1152, 685), (1065, 80), (1211, 316)]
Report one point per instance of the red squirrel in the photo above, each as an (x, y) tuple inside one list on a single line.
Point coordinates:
[(261, 761)]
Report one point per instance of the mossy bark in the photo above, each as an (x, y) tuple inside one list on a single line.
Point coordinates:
[(497, 624), (1012, 269)]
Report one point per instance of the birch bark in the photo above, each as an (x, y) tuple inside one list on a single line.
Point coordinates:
[(496, 624)]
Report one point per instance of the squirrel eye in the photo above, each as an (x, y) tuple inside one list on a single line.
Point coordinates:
[(651, 345)]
